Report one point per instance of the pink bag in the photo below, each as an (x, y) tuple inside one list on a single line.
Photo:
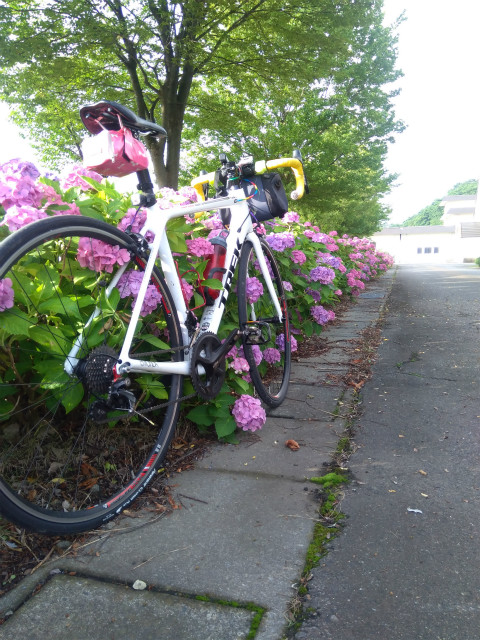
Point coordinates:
[(114, 153)]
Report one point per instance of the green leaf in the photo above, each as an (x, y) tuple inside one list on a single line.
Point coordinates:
[(156, 342), (201, 415), (49, 337), (212, 283), (225, 426), (72, 397), (15, 322), (61, 305), (177, 242)]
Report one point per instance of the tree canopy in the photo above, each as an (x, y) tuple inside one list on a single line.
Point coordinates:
[(254, 76)]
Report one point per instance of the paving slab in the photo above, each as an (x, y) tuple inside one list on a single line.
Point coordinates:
[(267, 453), (237, 537), (81, 608), (306, 401)]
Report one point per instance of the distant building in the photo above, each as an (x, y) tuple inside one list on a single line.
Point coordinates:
[(456, 240)]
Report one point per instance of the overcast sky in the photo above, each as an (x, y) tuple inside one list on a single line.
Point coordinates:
[(439, 102), (440, 98)]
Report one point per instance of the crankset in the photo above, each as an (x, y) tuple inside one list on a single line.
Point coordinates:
[(207, 368)]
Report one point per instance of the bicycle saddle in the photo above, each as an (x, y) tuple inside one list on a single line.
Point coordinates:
[(106, 114)]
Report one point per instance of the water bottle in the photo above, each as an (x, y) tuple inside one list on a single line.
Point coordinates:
[(215, 267)]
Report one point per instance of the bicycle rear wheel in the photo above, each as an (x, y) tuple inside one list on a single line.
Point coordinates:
[(76, 448), (270, 358)]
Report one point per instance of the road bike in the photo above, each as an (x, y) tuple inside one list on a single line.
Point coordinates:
[(94, 352)]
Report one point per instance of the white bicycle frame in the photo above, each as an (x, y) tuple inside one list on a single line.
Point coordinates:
[(241, 229)]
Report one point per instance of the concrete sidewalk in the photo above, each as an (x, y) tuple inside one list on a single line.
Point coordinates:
[(224, 566)]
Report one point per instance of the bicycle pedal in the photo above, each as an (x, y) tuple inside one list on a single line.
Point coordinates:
[(257, 332)]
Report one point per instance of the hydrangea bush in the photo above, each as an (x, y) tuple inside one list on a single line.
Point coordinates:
[(321, 266)]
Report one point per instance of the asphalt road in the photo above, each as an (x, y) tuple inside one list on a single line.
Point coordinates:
[(407, 564)]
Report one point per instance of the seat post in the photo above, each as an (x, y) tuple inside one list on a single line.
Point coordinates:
[(145, 186)]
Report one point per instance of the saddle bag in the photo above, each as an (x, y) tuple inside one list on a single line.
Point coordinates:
[(267, 197), (114, 153)]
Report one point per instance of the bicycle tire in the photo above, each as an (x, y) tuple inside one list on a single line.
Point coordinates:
[(71, 458), (269, 362)]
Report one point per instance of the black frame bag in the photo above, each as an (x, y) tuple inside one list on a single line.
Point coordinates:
[(269, 199)]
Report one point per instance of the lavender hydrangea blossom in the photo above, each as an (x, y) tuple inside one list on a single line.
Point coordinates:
[(249, 413), (254, 289), (325, 275), (6, 294), (129, 285)]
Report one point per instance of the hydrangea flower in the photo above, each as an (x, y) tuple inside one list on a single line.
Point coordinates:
[(6, 294), (291, 216), (137, 220), (100, 256), (129, 285), (200, 247), (319, 314), (298, 257), (280, 342), (325, 275), (249, 413), (239, 365), (254, 289), (187, 290), (287, 286), (75, 178), (18, 217), (281, 241), (271, 355)]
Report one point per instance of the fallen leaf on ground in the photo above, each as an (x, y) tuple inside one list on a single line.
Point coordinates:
[(292, 444), (422, 472)]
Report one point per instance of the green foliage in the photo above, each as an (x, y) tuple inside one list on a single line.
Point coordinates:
[(256, 76), (329, 480)]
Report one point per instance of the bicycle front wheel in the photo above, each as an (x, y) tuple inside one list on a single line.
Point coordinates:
[(77, 443), (266, 344)]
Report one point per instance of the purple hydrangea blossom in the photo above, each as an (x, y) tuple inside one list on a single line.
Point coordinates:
[(129, 285), (249, 413), (325, 275), (298, 257), (280, 342), (200, 247), (326, 258), (100, 256), (287, 285), (319, 314), (257, 354), (281, 241), (254, 289), (316, 295), (271, 355), (6, 294)]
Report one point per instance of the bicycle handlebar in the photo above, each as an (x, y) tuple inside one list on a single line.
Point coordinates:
[(261, 166)]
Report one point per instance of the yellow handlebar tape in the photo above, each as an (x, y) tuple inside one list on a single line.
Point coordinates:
[(260, 167)]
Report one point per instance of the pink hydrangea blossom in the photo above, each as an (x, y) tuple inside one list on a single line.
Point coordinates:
[(100, 256), (298, 257), (249, 413), (6, 294), (239, 365), (200, 247), (291, 216), (254, 289), (187, 290), (18, 217), (75, 178)]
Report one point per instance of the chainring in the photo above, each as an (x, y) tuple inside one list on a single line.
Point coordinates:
[(208, 383)]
